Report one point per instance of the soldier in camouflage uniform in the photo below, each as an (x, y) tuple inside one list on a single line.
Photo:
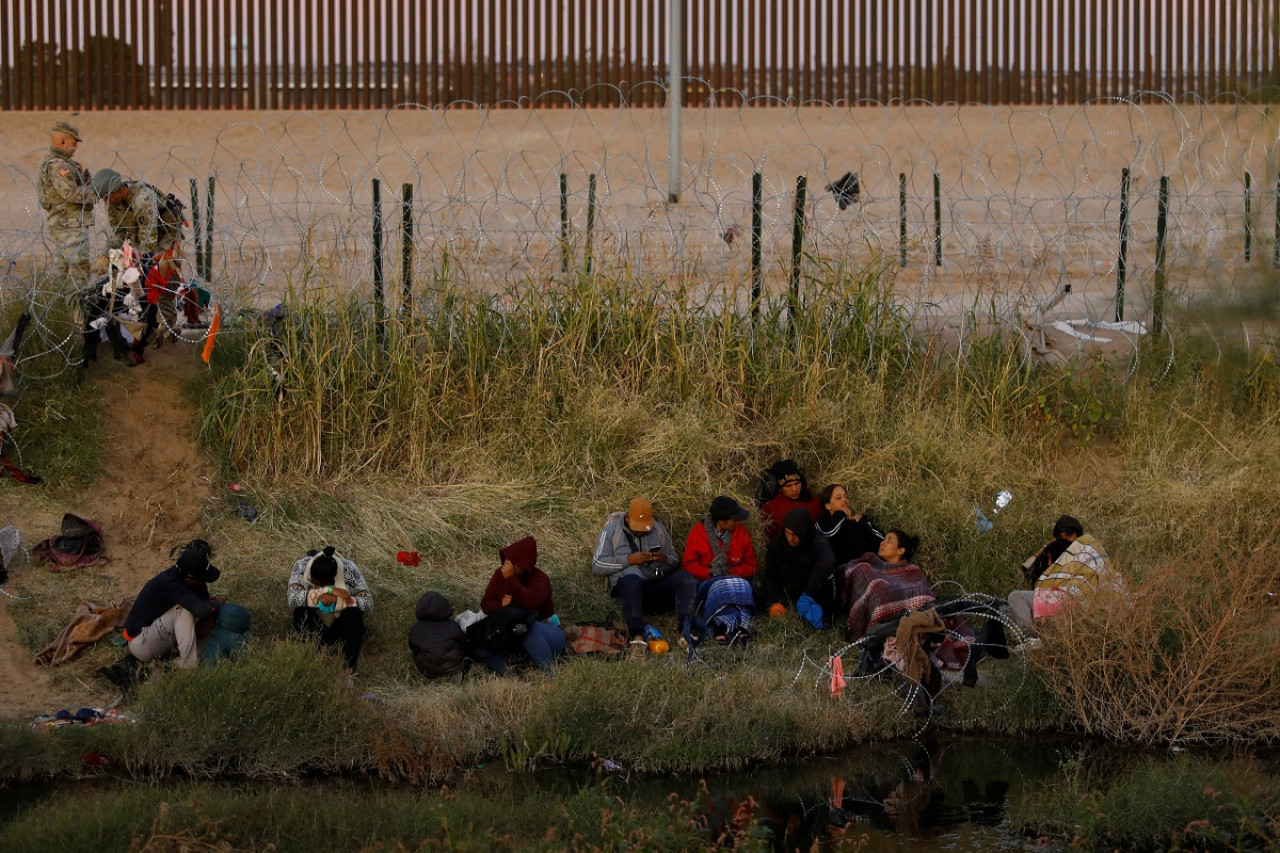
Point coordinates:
[(135, 213), (66, 194)]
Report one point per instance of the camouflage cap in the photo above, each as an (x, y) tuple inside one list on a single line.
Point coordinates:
[(69, 129)]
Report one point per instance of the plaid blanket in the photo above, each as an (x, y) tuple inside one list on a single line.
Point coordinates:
[(876, 591), (591, 639), (727, 604)]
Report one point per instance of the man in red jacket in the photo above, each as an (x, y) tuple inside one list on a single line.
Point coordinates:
[(719, 554)]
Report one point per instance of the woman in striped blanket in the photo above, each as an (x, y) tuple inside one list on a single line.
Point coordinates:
[(879, 587)]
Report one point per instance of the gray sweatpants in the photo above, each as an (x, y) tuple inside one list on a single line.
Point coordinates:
[(175, 629), (1022, 603)]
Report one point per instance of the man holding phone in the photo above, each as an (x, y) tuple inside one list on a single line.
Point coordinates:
[(636, 553)]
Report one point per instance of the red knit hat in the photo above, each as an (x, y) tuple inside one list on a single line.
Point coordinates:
[(523, 554)]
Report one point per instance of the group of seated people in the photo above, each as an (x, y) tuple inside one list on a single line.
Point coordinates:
[(824, 562)]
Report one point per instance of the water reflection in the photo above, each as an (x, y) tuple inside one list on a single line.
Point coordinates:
[(934, 794)]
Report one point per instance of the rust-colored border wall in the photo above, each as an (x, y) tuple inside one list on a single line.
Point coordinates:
[(338, 54)]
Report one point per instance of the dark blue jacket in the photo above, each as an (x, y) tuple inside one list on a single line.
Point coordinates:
[(160, 594)]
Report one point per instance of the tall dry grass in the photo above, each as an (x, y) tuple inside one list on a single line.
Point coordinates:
[(1190, 655)]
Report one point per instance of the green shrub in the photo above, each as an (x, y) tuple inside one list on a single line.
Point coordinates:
[(1155, 804)]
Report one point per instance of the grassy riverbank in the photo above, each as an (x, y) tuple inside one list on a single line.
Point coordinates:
[(488, 419)]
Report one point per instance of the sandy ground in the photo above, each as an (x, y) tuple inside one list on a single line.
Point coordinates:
[(1030, 198), (151, 498)]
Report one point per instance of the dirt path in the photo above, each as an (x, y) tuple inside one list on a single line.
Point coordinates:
[(150, 498)]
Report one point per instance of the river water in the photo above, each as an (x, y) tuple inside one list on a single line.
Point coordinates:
[(932, 795), (939, 793)]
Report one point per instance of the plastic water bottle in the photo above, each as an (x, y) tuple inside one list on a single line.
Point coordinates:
[(657, 644), (980, 519)]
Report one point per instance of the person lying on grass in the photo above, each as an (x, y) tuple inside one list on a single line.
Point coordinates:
[(636, 554), (799, 571), (888, 587), (519, 593), (881, 586), (329, 604)]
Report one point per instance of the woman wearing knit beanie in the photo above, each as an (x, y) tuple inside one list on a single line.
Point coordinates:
[(793, 491)]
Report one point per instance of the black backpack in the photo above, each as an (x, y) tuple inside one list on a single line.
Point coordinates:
[(503, 631), (173, 216)]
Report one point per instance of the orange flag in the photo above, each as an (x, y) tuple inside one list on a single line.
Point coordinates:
[(837, 677), (213, 333)]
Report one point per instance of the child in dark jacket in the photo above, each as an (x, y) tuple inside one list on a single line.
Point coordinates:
[(438, 643)]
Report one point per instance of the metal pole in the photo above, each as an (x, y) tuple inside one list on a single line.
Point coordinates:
[(675, 94), (208, 232), (757, 225), (406, 249), (902, 219), (377, 258), (937, 220), (1122, 262), (797, 246), (1162, 222), (591, 216), (1275, 253), (564, 222), (1248, 219), (197, 234)]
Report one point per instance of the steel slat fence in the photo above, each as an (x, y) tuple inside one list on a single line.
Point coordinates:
[(341, 54)]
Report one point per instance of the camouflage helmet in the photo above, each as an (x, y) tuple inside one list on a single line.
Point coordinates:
[(106, 181)]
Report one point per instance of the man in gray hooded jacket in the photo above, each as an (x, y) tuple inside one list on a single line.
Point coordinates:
[(636, 553)]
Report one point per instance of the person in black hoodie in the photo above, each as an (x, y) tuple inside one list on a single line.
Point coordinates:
[(164, 617), (438, 643), (851, 535), (799, 570)]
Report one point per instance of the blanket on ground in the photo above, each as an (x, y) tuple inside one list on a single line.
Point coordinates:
[(591, 639), (89, 624)]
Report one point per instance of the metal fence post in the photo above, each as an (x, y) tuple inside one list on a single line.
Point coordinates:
[(564, 222), (197, 234), (797, 245), (1275, 252), (591, 217), (937, 220), (902, 219), (378, 282), (208, 231), (1248, 218), (757, 226), (406, 249), (1162, 223), (1123, 260), (675, 94)]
